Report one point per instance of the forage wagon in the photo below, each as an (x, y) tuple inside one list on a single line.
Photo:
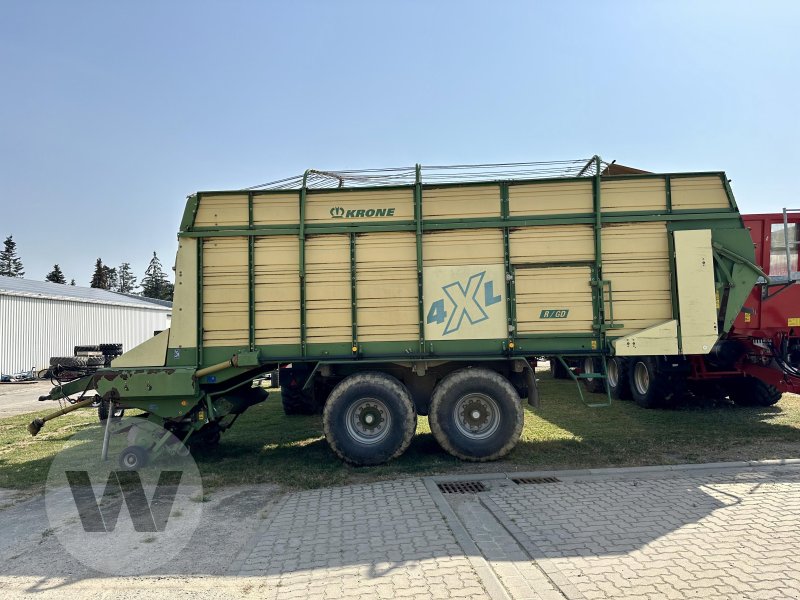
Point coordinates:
[(388, 294)]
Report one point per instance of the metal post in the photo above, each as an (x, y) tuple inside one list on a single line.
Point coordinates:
[(510, 320), (200, 311), (668, 190), (251, 274), (418, 222), (598, 251), (353, 293), (107, 432), (303, 191), (786, 242)]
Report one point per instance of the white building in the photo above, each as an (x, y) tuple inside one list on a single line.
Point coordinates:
[(39, 320)]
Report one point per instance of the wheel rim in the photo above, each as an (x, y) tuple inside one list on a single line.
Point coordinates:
[(130, 460), (477, 416), (368, 421), (641, 378), (588, 365), (612, 373)]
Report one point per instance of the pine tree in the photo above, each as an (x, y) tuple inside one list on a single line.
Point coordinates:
[(10, 263), (111, 278), (127, 280), (169, 291), (72, 282), (155, 283), (56, 275), (100, 276)]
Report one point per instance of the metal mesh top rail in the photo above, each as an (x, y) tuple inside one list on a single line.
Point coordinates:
[(433, 174)]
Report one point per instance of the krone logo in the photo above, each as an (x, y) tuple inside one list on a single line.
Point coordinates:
[(337, 212)]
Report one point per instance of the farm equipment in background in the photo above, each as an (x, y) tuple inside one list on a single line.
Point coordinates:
[(19, 377), (752, 365), (85, 360), (383, 295)]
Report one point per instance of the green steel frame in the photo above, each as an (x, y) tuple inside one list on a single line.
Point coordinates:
[(353, 292), (418, 230), (514, 344)]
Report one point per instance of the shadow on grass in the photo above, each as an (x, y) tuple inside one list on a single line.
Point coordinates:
[(565, 433), (267, 447), (562, 434)]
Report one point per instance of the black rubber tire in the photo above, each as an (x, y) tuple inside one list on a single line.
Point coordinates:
[(347, 395), (557, 370), (110, 349), (455, 386), (297, 402), (595, 386), (102, 411), (95, 361), (618, 381), (749, 391), (133, 458), (80, 362), (86, 349), (651, 391)]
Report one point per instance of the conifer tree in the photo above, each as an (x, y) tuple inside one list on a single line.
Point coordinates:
[(155, 283), (111, 278), (100, 276), (56, 275), (10, 263), (127, 280)]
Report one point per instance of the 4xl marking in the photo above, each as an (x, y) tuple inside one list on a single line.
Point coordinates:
[(468, 301)]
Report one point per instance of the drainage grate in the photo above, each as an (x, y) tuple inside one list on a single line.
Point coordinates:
[(461, 487), (531, 480)]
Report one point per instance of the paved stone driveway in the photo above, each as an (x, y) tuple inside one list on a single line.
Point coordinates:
[(624, 533), (384, 540), (728, 535)]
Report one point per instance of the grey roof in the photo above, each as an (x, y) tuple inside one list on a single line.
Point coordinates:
[(15, 286), (158, 301)]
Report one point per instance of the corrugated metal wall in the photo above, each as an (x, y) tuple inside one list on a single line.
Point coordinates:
[(34, 329)]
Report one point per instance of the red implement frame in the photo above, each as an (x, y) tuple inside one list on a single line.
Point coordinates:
[(770, 318)]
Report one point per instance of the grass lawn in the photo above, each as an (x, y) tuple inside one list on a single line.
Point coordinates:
[(265, 446)]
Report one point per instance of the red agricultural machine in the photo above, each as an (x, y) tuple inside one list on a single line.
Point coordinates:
[(755, 362)]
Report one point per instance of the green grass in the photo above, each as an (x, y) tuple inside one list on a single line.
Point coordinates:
[(266, 447)]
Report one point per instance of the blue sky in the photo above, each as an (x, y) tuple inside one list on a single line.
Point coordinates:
[(112, 112)]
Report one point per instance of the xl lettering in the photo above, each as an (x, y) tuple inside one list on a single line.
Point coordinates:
[(463, 301)]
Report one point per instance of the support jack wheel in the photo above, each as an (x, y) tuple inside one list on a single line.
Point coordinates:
[(133, 458)]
